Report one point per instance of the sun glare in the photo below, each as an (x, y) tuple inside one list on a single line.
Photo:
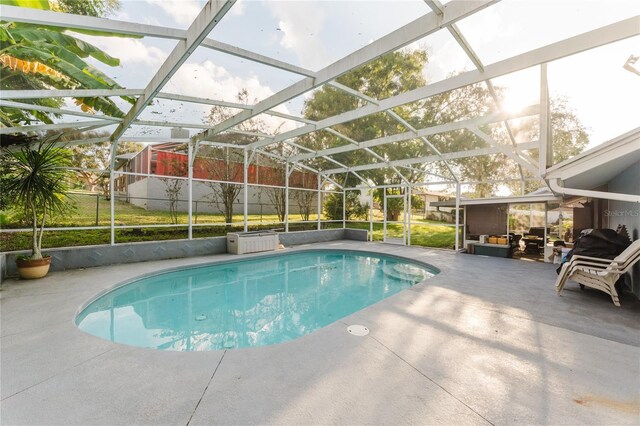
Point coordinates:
[(515, 101)]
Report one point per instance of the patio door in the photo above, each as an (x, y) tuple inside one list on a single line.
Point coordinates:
[(395, 226)]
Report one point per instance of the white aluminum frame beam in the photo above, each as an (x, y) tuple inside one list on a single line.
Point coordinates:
[(21, 105), (405, 35), (433, 158), (602, 36), (68, 93), (441, 128), (55, 126), (455, 32), (71, 21), (512, 154), (396, 117), (207, 19)]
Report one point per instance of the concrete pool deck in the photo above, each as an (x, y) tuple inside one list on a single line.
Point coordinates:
[(487, 341)]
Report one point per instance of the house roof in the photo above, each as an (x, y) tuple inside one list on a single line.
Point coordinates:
[(599, 165), (538, 196)]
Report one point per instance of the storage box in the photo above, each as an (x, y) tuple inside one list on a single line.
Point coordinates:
[(252, 242), (493, 240), (493, 250), (502, 240)]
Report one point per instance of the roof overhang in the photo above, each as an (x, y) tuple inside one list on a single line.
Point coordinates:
[(523, 199), (597, 166)]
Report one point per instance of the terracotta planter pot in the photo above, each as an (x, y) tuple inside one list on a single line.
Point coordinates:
[(30, 269)]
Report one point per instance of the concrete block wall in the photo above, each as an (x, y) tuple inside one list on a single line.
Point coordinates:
[(102, 255)]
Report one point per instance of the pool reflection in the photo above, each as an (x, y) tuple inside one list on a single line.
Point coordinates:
[(248, 303)]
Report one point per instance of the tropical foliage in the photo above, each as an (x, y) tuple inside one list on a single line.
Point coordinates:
[(37, 182), (37, 57)]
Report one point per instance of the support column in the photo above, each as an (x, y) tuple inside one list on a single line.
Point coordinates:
[(344, 207), (464, 226), (409, 217), (371, 217), (286, 199), (384, 215), (245, 190), (190, 184), (457, 246), (545, 155), (319, 201), (112, 205)]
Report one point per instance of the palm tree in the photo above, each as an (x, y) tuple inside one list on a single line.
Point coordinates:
[(36, 182)]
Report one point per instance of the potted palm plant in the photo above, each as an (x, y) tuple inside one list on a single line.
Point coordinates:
[(36, 184)]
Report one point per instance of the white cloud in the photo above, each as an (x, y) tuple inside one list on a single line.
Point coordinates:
[(182, 11), (212, 81), (238, 9), (300, 24), (130, 51)]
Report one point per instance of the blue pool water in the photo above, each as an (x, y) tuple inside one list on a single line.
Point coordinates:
[(247, 303)]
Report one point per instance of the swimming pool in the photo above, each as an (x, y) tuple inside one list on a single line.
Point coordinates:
[(247, 303)]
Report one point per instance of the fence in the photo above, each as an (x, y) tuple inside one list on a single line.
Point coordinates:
[(90, 222)]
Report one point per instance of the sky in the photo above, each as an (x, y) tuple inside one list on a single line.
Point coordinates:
[(314, 34)]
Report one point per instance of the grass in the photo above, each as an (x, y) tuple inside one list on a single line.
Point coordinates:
[(428, 233), (84, 214), (431, 234)]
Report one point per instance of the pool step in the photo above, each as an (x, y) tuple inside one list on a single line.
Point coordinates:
[(406, 272)]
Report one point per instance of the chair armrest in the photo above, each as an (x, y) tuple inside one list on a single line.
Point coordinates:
[(592, 259), (593, 265)]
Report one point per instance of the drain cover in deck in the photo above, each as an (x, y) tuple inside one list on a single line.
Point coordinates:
[(358, 330)]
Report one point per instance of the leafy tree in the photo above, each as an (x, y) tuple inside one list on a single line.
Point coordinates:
[(568, 134), (398, 72), (86, 7), (223, 192), (390, 75), (304, 199), (38, 57), (172, 187), (355, 209), (276, 194), (94, 157)]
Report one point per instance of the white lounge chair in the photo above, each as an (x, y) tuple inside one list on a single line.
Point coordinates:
[(597, 273)]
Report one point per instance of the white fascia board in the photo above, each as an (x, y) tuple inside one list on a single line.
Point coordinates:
[(605, 35), (429, 131), (434, 158), (71, 21), (621, 146), (512, 200), (407, 34), (207, 19)]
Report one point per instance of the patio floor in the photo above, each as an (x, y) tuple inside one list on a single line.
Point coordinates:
[(487, 341)]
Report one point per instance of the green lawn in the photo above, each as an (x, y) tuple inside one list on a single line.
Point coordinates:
[(86, 205), (428, 233), (431, 234)]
